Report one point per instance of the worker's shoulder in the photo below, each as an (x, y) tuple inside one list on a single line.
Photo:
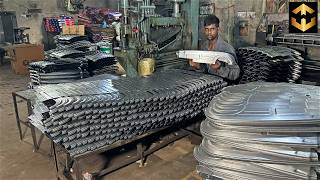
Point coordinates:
[(223, 45)]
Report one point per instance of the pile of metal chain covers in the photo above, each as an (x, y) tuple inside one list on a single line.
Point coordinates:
[(84, 46), (69, 62), (311, 39), (54, 71), (68, 39), (261, 131), (271, 64), (87, 115), (309, 43)]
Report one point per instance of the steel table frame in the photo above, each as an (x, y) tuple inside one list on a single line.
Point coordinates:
[(26, 96), (142, 153), (73, 162)]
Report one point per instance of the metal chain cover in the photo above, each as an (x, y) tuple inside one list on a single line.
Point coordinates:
[(271, 63), (261, 131), (87, 115)]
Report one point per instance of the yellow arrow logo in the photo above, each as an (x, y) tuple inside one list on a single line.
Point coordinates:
[(304, 26), (303, 9)]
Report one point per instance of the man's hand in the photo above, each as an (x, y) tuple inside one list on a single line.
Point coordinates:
[(194, 64), (216, 65)]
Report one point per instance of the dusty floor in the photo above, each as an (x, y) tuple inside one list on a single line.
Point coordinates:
[(18, 161)]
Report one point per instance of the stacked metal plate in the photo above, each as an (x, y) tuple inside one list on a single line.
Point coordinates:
[(84, 46), (309, 44), (99, 63), (54, 71), (71, 62), (87, 115), (272, 64), (298, 39), (68, 39), (261, 131), (64, 53)]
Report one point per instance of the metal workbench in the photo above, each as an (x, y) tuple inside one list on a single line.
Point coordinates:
[(69, 162), (29, 97), (73, 162)]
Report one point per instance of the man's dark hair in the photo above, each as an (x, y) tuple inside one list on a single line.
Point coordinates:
[(211, 19)]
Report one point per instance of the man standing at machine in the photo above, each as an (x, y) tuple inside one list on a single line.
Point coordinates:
[(215, 43)]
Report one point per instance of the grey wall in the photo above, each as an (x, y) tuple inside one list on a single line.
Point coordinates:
[(49, 8)]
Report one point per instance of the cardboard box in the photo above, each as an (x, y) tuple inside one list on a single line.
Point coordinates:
[(22, 54), (75, 29)]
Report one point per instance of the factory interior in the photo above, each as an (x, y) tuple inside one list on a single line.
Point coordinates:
[(159, 89)]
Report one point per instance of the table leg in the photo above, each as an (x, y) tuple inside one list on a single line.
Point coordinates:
[(17, 114), (140, 153), (33, 132), (34, 138), (55, 159), (77, 170)]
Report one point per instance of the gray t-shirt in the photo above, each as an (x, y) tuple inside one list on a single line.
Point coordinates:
[(230, 72)]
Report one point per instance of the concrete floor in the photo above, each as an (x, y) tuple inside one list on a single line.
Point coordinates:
[(18, 161)]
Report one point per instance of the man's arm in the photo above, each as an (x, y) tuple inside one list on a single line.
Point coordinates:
[(197, 66), (224, 70)]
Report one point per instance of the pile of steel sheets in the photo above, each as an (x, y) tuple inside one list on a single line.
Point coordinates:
[(298, 39), (59, 69), (54, 71), (271, 64), (87, 115), (261, 131), (68, 39)]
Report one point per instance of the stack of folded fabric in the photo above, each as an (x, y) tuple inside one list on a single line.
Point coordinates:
[(261, 131), (85, 116)]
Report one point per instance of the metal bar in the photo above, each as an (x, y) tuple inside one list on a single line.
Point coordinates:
[(34, 138), (55, 159), (77, 170), (140, 153), (32, 128), (14, 96)]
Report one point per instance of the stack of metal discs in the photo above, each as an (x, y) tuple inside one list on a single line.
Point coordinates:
[(261, 131)]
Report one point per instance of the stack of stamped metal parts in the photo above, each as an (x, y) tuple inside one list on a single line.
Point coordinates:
[(309, 43), (261, 131), (87, 115), (54, 71), (298, 39), (64, 53), (271, 64), (100, 63), (69, 62), (68, 39), (84, 46)]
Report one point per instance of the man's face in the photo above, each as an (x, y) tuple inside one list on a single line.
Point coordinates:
[(211, 31)]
